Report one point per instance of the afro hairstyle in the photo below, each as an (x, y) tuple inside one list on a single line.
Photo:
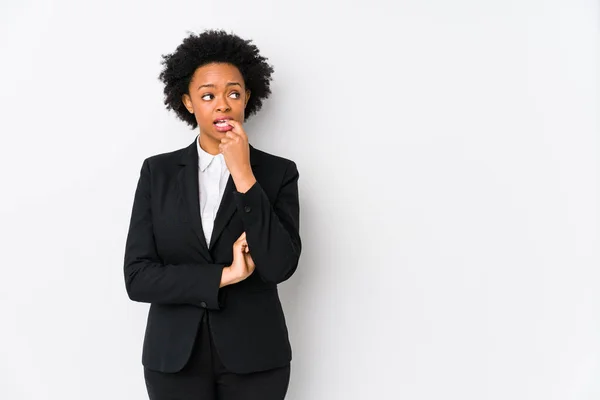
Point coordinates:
[(214, 46)]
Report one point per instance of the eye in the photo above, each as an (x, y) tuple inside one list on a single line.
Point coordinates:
[(235, 94), (207, 96)]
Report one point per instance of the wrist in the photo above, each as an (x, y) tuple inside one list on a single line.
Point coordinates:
[(244, 182), (226, 277)]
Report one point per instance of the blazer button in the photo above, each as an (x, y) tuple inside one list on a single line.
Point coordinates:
[(247, 209), (203, 304)]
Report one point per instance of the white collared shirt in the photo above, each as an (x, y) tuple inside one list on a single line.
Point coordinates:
[(212, 179)]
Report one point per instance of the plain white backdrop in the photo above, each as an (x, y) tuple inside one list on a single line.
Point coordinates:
[(448, 156)]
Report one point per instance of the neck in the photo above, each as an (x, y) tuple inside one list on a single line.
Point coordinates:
[(207, 145)]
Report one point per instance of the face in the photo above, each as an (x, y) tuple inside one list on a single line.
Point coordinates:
[(217, 91)]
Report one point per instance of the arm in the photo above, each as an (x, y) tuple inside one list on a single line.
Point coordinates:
[(147, 279), (272, 231)]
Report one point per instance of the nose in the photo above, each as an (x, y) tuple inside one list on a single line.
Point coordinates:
[(222, 105)]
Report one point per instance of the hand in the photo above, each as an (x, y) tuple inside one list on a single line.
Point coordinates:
[(240, 269), (236, 151), (248, 257)]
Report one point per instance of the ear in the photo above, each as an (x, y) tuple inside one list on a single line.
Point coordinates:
[(247, 97), (187, 102)]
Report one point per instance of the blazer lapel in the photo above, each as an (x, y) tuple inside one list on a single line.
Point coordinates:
[(226, 210), (187, 181), (189, 190)]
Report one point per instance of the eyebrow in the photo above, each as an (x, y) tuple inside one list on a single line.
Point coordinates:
[(212, 85)]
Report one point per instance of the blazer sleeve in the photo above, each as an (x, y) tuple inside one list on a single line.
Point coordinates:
[(272, 230), (147, 279)]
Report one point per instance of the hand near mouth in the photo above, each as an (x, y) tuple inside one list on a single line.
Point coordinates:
[(236, 151)]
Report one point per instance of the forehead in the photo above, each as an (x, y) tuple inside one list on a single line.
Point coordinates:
[(217, 73)]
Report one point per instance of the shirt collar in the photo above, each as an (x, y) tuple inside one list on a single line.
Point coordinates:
[(204, 158)]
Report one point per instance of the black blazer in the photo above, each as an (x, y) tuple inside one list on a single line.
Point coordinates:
[(169, 264)]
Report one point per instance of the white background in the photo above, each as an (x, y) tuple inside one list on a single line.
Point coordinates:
[(448, 156)]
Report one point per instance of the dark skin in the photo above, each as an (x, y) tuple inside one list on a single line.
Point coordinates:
[(217, 90)]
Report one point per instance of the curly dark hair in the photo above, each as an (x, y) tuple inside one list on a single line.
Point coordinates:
[(208, 47)]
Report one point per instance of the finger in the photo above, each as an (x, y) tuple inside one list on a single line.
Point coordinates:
[(237, 128), (245, 239), (249, 261), (230, 135), (238, 250)]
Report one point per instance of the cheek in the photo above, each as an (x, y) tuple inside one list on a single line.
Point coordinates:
[(203, 112), (241, 108)]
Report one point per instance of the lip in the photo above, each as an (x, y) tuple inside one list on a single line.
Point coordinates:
[(225, 128), (221, 118)]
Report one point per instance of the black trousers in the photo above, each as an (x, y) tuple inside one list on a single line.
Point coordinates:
[(205, 378)]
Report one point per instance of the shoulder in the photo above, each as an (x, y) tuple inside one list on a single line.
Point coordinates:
[(172, 157), (167, 161), (273, 171), (276, 162)]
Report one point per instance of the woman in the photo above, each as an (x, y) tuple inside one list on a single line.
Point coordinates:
[(213, 230)]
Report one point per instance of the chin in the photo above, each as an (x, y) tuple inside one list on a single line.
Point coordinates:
[(213, 133)]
